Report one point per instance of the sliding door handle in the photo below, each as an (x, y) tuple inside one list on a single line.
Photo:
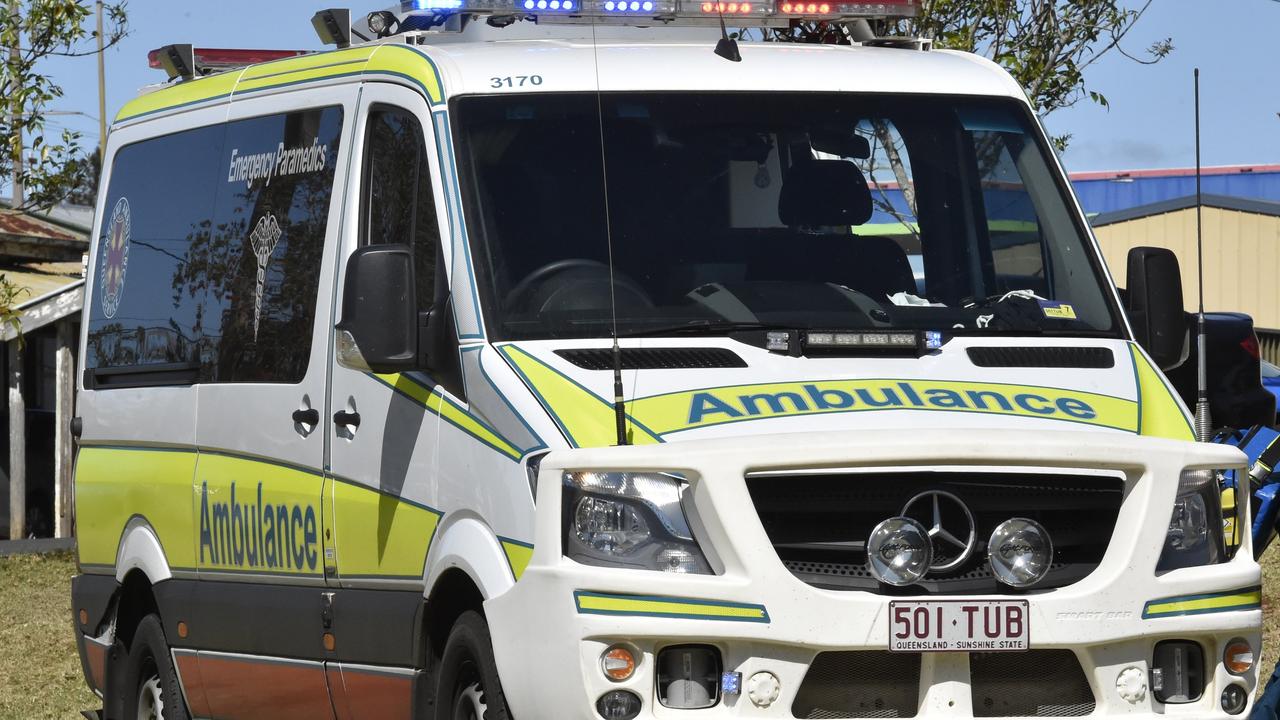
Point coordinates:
[(346, 419)]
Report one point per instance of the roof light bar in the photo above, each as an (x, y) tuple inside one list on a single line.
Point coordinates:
[(174, 59), (696, 11)]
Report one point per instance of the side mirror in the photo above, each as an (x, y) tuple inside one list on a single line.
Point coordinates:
[(1155, 305), (379, 327)]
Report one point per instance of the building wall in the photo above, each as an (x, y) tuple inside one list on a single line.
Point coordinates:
[(1241, 257)]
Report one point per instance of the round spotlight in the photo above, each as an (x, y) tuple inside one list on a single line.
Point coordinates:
[(1238, 657), (899, 551), (1234, 700), (1020, 552), (383, 23), (618, 705)]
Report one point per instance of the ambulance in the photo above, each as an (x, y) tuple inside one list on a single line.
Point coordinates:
[(613, 359)]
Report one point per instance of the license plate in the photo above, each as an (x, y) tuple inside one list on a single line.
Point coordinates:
[(959, 626)]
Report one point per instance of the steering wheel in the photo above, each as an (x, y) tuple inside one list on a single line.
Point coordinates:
[(526, 289)]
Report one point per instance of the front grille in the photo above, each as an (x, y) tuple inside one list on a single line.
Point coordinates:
[(819, 524), (860, 684), (1039, 683)]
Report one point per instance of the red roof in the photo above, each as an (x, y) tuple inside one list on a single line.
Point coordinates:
[(1174, 172)]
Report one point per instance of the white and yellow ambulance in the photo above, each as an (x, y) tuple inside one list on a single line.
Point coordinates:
[(879, 437)]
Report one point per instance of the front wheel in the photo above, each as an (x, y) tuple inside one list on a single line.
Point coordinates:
[(467, 686), (150, 684)]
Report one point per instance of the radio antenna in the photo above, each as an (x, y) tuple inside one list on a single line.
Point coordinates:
[(619, 398), (1204, 423)]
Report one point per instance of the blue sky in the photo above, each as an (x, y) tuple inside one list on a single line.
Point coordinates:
[(1149, 124)]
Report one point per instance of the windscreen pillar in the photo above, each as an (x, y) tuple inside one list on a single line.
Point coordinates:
[(17, 445), (65, 394)]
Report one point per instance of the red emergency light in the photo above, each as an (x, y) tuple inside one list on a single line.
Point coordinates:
[(894, 8), (214, 59)]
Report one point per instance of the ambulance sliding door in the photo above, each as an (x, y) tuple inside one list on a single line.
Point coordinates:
[(266, 276)]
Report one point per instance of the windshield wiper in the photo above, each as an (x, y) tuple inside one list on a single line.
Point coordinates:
[(708, 327)]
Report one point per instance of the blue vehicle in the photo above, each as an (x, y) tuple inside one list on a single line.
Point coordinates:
[(1271, 381)]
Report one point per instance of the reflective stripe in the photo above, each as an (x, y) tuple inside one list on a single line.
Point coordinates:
[(518, 555), (1160, 414), (1246, 599), (586, 419), (396, 61), (650, 606), (430, 397)]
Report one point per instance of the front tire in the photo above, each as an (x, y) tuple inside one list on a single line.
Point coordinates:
[(150, 684), (467, 686)]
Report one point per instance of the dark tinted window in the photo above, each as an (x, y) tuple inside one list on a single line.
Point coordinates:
[(398, 203), (210, 253)]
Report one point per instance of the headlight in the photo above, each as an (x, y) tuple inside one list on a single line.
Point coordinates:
[(636, 520), (1195, 529)]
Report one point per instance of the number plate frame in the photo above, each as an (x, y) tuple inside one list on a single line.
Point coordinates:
[(962, 622)]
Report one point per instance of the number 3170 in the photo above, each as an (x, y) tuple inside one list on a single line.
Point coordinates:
[(511, 81)]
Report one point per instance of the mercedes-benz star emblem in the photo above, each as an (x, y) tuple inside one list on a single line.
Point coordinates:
[(952, 530)]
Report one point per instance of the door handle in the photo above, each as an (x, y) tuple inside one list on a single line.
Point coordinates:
[(344, 418), (310, 416)]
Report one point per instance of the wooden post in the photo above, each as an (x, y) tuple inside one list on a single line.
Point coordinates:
[(65, 393), (17, 446)]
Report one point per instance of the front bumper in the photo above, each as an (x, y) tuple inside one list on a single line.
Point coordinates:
[(551, 628)]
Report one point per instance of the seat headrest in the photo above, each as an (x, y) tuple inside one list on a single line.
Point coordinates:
[(819, 193)]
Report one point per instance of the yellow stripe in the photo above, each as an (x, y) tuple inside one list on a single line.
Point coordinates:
[(1253, 597), (184, 93), (518, 555), (380, 59), (587, 419), (1162, 416), (664, 607), (434, 401), (378, 535), (113, 485), (715, 406)]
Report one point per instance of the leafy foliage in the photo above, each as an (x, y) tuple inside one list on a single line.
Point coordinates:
[(1047, 45), (52, 168)]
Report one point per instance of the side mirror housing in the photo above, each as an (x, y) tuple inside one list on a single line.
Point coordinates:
[(379, 327), (1154, 301)]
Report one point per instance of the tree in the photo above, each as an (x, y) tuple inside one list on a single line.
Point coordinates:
[(43, 171), (1045, 44)]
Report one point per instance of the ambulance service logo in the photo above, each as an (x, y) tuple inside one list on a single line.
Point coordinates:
[(115, 257), (264, 238)]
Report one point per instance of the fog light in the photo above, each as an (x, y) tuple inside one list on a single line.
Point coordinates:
[(618, 705), (1177, 672), (1020, 552), (618, 663), (899, 551), (1238, 657), (1234, 698), (689, 677)]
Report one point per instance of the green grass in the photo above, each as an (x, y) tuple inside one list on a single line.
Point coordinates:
[(40, 673)]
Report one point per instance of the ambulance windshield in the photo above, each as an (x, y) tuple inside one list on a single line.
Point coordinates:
[(832, 211)]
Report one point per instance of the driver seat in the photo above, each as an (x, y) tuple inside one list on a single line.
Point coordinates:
[(820, 201)]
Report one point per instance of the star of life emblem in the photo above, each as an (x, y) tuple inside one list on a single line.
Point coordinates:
[(263, 239), (115, 257)]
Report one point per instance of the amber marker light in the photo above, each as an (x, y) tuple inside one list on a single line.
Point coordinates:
[(1238, 657), (618, 663)]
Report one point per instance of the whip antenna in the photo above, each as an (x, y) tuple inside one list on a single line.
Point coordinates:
[(619, 398), (1204, 424)]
